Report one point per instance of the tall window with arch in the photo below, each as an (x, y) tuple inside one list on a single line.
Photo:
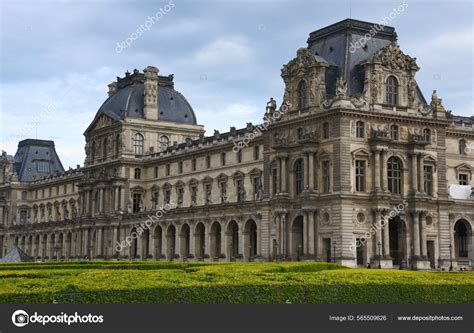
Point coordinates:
[(302, 95), (117, 144), (326, 130), (462, 147), (299, 176), (394, 175), (164, 142), (360, 129), (427, 134), (137, 173), (391, 90), (394, 132), (138, 144)]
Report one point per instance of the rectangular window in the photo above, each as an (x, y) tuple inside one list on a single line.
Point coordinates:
[(208, 193), (223, 159), (256, 152), (57, 190), (180, 167), (65, 189), (326, 176), (156, 172), (137, 202), (223, 186), (428, 179), (208, 161), (42, 166), (23, 216), (167, 197), (360, 176), (274, 180), (193, 195), (463, 179), (239, 156), (240, 190), (36, 194), (167, 169), (256, 188), (194, 164), (180, 197)]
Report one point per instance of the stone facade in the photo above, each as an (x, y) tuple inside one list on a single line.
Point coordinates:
[(357, 168)]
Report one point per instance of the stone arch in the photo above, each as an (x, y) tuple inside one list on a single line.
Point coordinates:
[(216, 240), (199, 240), (158, 242), (251, 239), (297, 245), (232, 235), (185, 241), (170, 242), (463, 239)]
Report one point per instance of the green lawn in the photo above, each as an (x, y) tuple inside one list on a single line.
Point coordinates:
[(164, 282)]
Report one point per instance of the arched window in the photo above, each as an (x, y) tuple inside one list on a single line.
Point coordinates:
[(164, 142), (138, 173), (93, 150), (427, 134), (394, 175), (394, 132), (302, 95), (117, 144), (104, 148), (462, 147), (138, 144), (391, 92), (326, 130), (299, 133), (360, 129), (299, 176)]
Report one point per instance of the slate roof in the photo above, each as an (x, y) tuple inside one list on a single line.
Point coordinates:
[(30, 153), (16, 255), (333, 43), (127, 101)]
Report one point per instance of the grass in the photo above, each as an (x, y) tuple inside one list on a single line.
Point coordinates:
[(172, 282)]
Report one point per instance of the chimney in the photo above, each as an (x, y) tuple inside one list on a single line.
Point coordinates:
[(150, 106), (112, 88)]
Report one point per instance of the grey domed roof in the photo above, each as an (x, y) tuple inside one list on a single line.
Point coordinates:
[(127, 101)]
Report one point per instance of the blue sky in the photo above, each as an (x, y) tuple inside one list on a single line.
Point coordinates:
[(57, 57)]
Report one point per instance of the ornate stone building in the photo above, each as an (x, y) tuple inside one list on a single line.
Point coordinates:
[(355, 167)]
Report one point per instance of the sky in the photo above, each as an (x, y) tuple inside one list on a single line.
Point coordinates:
[(57, 57)]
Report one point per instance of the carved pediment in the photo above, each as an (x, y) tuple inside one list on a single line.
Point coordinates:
[(304, 60), (393, 58), (101, 122)]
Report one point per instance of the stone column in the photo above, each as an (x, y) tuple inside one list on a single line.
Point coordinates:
[(386, 238), (414, 177), (416, 234), (101, 201), (311, 233), (278, 180), (311, 170), (306, 171), (424, 251), (283, 174), (285, 234), (421, 176), (99, 242), (86, 243), (123, 205), (305, 233), (383, 180), (378, 232), (116, 199), (88, 202), (377, 170)]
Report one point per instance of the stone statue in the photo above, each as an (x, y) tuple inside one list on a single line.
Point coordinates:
[(271, 106), (341, 87)]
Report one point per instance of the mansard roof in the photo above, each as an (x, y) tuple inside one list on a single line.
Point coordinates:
[(128, 100), (35, 159)]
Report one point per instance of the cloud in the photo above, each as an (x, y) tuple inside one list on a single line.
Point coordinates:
[(227, 51)]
